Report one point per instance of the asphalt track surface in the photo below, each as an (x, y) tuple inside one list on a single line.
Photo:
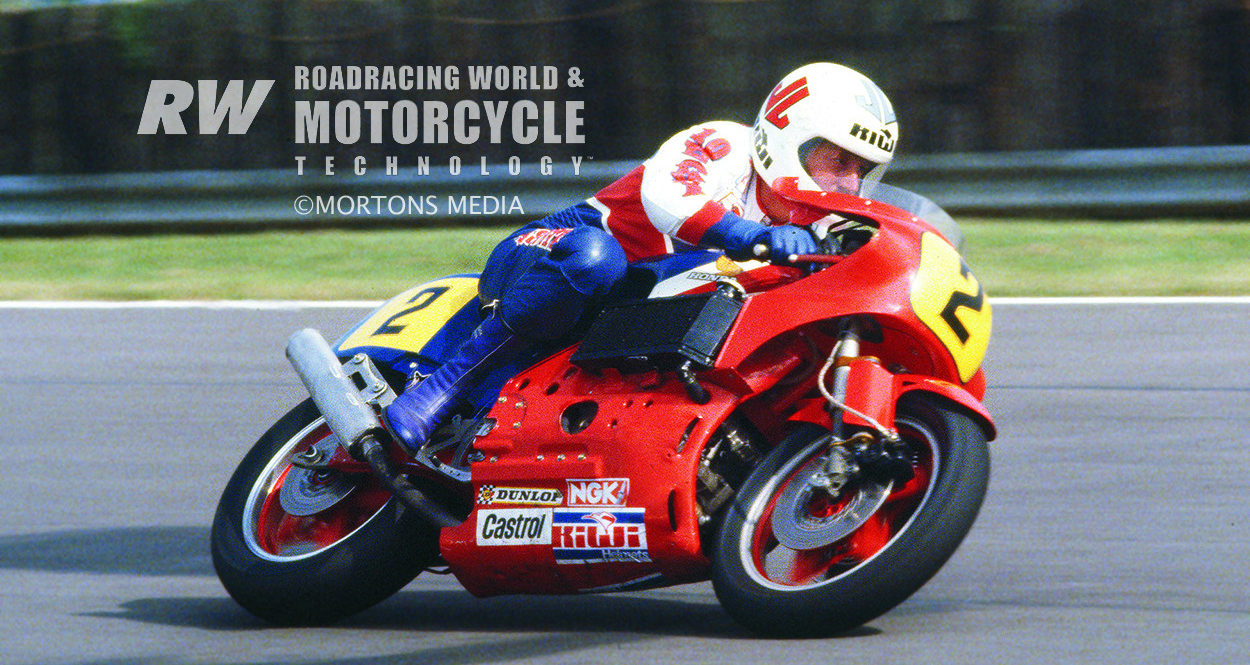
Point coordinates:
[(1115, 529)]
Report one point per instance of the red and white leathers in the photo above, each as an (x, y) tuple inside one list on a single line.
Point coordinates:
[(699, 190), (669, 202)]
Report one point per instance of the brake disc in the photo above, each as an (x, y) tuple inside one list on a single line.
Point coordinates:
[(797, 528), (309, 491)]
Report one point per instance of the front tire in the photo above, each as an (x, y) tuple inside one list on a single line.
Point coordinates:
[(316, 568), (900, 539)]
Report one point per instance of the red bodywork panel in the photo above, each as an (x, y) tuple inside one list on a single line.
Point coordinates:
[(645, 430), (964, 396)]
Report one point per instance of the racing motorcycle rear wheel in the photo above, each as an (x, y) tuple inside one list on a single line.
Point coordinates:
[(793, 560), (295, 546)]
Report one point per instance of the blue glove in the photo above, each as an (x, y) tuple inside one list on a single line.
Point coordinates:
[(782, 241), (738, 237), (733, 234)]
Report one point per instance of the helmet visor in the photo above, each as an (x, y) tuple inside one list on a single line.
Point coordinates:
[(832, 168)]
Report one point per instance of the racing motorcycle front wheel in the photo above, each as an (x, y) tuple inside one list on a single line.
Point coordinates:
[(299, 546), (794, 558)]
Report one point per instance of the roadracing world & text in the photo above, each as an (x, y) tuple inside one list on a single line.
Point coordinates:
[(464, 121)]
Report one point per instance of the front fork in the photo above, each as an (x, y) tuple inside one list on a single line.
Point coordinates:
[(846, 350), (879, 454), (844, 354)]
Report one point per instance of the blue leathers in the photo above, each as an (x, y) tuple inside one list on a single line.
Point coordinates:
[(542, 289), (416, 412), (539, 281)]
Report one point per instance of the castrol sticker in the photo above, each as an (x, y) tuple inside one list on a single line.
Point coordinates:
[(514, 526), (598, 492)]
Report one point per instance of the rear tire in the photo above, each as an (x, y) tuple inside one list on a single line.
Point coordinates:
[(313, 569), (833, 588)]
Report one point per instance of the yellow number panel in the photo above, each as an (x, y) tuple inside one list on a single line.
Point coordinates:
[(949, 299), (407, 321)]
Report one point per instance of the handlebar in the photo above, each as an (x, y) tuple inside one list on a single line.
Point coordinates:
[(760, 250)]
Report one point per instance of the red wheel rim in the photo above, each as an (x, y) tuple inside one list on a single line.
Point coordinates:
[(274, 534), (777, 566)]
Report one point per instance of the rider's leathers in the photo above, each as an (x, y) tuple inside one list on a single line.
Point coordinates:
[(542, 277)]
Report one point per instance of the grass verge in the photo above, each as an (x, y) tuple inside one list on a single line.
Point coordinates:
[(1156, 258), (1012, 258)]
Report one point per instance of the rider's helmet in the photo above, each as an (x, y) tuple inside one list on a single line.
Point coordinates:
[(824, 128)]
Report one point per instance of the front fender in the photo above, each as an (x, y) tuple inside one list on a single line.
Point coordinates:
[(962, 398), (875, 391)]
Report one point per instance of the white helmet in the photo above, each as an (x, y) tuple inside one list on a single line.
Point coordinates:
[(817, 105)]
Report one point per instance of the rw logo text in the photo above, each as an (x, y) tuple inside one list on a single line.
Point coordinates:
[(169, 98)]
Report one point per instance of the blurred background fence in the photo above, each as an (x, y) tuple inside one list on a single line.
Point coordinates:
[(1161, 182), (964, 75), (1107, 108)]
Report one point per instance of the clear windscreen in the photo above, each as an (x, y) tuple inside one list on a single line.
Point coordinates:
[(917, 205)]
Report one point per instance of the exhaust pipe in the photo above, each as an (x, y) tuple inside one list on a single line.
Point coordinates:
[(353, 421), (338, 399)]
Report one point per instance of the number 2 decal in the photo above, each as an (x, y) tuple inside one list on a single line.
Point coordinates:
[(422, 300), (950, 301), (411, 319), (960, 299)]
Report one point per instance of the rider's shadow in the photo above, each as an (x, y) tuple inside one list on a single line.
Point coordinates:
[(459, 612), (182, 551)]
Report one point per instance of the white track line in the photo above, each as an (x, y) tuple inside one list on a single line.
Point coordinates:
[(369, 304), (190, 304), (1125, 300)]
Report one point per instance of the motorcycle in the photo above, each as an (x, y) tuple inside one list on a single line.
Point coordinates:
[(808, 435)]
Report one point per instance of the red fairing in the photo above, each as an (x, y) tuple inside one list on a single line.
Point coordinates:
[(874, 280), (588, 480)]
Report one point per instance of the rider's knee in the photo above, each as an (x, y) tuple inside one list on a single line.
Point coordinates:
[(591, 260)]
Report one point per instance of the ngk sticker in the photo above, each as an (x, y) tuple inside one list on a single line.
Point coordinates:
[(599, 492), (514, 526), (599, 536)]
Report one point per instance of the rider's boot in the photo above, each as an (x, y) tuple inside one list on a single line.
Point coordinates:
[(415, 413)]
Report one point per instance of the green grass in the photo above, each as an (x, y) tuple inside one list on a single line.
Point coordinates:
[(1040, 258), (318, 265), (1012, 258)]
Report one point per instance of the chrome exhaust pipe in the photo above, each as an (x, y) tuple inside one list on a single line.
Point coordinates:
[(337, 397), (352, 419)]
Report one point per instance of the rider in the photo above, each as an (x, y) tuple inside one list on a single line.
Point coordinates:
[(719, 185)]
